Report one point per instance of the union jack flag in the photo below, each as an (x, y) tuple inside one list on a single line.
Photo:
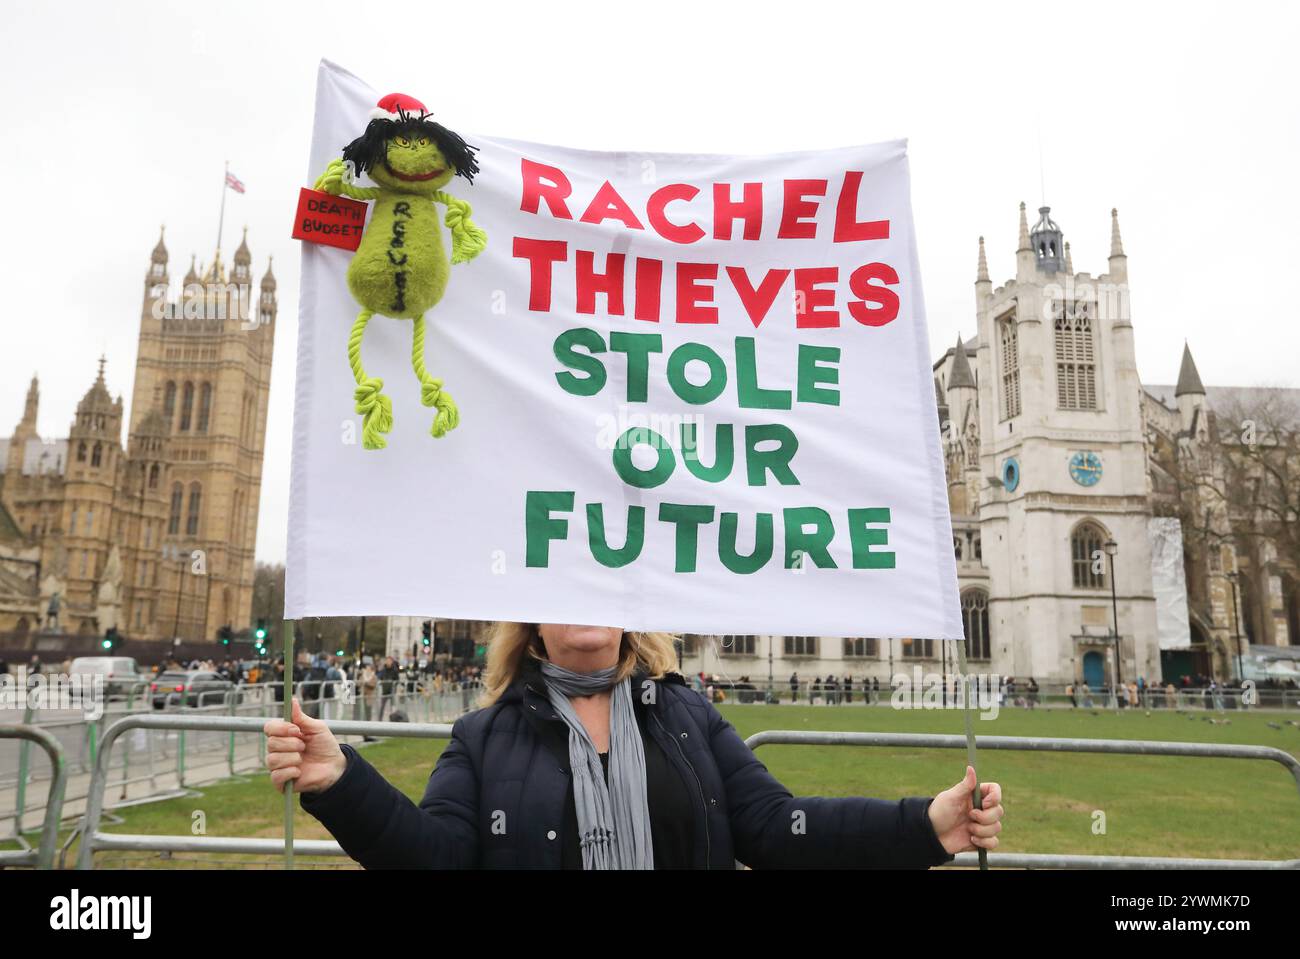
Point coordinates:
[(234, 182)]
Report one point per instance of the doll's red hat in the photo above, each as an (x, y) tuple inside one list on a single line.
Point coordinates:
[(394, 105)]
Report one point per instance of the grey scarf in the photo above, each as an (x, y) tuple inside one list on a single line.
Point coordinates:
[(613, 819)]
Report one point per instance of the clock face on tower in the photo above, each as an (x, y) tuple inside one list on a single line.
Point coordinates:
[(1010, 474), (1085, 468)]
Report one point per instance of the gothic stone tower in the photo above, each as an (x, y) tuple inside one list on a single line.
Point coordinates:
[(202, 380), (1062, 462)]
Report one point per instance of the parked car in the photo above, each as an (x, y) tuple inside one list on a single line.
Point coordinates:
[(189, 687), (120, 673)]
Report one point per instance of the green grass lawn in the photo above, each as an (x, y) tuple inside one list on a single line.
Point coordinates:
[(1158, 806)]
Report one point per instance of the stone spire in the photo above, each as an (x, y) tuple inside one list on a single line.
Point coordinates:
[(1024, 230), (1189, 380), (961, 375), (241, 253), (1117, 265), (156, 278), (32, 406), (216, 271), (1069, 261), (982, 273), (159, 254), (25, 430)]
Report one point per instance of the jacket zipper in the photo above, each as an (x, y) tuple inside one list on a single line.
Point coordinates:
[(708, 848)]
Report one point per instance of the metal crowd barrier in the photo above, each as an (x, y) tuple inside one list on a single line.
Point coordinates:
[(144, 762), (42, 857), (1135, 747), (1047, 695), (93, 839)]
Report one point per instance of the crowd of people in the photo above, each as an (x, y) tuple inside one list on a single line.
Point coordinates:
[(1005, 690), (318, 677)]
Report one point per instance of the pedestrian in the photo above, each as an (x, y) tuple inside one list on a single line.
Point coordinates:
[(368, 680), (389, 677)]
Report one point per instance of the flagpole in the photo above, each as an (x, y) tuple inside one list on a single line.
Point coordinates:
[(976, 801), (221, 220), (288, 717)]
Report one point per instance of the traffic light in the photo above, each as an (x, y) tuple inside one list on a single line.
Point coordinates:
[(259, 637), (426, 632), (225, 634), (111, 638)]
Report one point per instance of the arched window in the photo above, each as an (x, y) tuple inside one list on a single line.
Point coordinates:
[(97, 455), (975, 622), (187, 405), (174, 514), (153, 476), (169, 402), (1076, 371), (1009, 348), (192, 515), (81, 452), (205, 407), (1089, 556)]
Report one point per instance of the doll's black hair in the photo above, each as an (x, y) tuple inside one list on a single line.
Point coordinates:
[(372, 146)]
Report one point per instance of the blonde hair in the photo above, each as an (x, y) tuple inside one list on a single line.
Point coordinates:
[(509, 643)]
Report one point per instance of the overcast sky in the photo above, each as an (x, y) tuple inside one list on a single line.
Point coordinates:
[(118, 117)]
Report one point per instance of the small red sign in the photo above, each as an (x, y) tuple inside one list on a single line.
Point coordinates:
[(328, 219)]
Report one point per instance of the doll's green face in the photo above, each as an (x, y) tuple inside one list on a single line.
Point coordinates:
[(413, 164)]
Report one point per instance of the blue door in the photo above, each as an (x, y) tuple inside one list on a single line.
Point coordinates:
[(1094, 669)]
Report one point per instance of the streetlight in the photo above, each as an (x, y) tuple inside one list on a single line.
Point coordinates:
[(1111, 547), (1236, 622), (769, 664)]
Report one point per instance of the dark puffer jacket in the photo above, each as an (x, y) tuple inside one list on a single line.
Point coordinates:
[(506, 765)]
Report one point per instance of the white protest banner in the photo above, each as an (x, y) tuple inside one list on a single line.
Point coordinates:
[(694, 394)]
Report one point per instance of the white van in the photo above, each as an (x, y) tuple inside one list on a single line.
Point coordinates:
[(120, 672)]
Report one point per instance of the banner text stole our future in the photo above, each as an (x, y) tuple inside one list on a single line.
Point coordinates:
[(671, 212)]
